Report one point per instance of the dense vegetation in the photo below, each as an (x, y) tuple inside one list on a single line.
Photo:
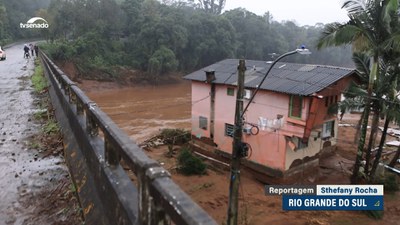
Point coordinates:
[(12, 13), (165, 37)]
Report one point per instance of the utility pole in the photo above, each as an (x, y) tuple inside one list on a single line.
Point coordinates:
[(237, 149), (240, 149)]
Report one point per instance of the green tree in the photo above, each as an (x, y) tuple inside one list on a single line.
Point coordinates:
[(255, 38), (132, 10), (130, 32), (212, 6), (162, 61), (369, 31)]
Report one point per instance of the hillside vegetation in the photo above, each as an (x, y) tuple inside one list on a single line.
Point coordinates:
[(165, 37)]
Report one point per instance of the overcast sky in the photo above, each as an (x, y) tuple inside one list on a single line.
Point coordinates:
[(304, 12)]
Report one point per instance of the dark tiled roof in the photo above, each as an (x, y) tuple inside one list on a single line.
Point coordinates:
[(290, 78)]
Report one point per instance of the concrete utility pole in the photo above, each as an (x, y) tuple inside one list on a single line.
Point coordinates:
[(237, 148)]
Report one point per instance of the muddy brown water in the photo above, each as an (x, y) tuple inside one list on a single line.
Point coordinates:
[(143, 111), (23, 172)]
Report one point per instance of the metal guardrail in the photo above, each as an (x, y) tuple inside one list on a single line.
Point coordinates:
[(158, 199)]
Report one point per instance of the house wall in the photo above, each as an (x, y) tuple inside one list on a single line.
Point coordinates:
[(269, 147), (313, 148), (329, 96), (316, 142), (200, 107)]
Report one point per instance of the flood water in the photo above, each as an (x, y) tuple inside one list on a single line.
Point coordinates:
[(143, 111)]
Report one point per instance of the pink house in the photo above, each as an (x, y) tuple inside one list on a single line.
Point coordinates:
[(287, 125)]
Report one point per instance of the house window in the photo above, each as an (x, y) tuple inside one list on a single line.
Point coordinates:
[(203, 123), (328, 129), (229, 130), (296, 103), (230, 91), (295, 143)]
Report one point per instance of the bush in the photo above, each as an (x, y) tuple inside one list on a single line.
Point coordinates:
[(59, 50), (190, 164)]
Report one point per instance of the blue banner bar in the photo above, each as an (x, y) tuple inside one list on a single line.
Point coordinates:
[(319, 202)]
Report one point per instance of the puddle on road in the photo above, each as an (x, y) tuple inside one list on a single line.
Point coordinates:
[(142, 111)]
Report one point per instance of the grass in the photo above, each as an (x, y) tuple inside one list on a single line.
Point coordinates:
[(40, 85), (39, 82), (51, 127), (35, 145)]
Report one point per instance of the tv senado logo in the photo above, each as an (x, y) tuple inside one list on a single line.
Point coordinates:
[(34, 23)]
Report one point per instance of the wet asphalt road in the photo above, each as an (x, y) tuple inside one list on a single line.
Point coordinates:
[(23, 173)]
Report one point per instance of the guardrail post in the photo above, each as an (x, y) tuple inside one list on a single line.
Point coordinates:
[(71, 94), (67, 92), (91, 125), (111, 155), (63, 84), (149, 213), (79, 106), (158, 215)]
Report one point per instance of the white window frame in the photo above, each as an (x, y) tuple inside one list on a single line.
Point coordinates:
[(328, 129)]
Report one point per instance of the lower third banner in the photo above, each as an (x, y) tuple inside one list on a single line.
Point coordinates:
[(315, 202)]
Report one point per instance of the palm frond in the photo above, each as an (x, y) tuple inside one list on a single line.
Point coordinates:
[(393, 42), (362, 42), (390, 7), (355, 90), (351, 104), (354, 6), (336, 34), (362, 63), (385, 83)]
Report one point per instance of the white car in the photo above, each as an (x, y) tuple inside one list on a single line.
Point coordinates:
[(2, 54)]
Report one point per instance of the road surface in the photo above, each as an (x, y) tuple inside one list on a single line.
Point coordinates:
[(27, 178)]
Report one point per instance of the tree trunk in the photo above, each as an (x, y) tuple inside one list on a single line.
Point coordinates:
[(373, 74), (360, 148), (380, 149), (357, 135), (371, 142)]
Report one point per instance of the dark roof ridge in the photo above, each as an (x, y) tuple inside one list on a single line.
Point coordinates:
[(305, 64), (293, 78)]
